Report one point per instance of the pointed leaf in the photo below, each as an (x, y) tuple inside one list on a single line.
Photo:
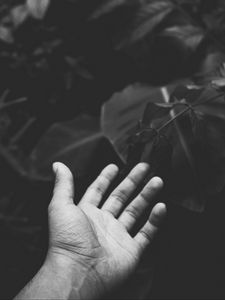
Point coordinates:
[(149, 15), (6, 34), (107, 7), (220, 82), (38, 8), (190, 35), (19, 14)]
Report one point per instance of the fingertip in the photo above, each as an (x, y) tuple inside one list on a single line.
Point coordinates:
[(110, 171), (160, 208), (143, 166), (64, 187), (62, 173), (157, 183), (113, 168), (59, 167), (158, 214)]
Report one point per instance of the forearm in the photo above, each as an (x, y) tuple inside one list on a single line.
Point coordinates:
[(49, 283), (58, 279)]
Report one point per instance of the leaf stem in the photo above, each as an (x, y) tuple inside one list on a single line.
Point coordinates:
[(12, 103), (174, 118)]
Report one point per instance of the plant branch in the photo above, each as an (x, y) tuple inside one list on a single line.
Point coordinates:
[(10, 104), (174, 118)]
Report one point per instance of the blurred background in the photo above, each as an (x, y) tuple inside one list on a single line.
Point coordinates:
[(91, 82)]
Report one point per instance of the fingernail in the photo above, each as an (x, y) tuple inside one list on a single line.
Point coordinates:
[(144, 165)]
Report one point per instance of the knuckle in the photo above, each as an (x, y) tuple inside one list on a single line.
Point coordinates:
[(133, 212), (104, 179), (132, 180), (119, 196), (144, 197), (97, 189), (146, 235)]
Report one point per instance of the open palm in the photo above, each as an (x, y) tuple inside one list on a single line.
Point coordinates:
[(100, 239)]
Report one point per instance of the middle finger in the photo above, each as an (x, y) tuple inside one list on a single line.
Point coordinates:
[(119, 197)]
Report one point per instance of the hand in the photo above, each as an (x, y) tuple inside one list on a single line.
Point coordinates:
[(93, 244)]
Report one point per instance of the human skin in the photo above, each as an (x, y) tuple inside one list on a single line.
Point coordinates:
[(91, 249)]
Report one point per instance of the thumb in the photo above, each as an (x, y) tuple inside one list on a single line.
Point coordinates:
[(64, 187)]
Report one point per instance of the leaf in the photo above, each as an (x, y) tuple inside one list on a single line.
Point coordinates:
[(155, 111), (216, 110), (19, 14), (177, 130), (6, 34), (147, 145), (186, 178), (38, 8), (149, 15), (211, 68), (72, 142), (137, 143), (191, 36), (204, 158), (220, 82), (211, 102), (200, 147), (189, 93), (183, 140), (107, 7), (122, 112)]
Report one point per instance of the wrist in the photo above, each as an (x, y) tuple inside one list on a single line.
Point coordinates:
[(53, 281), (78, 273)]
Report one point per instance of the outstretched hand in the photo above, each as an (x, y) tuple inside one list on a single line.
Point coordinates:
[(95, 244)]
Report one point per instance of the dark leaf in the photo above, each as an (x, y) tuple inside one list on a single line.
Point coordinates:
[(189, 35), (183, 140), (107, 7), (211, 68), (38, 8), (121, 113), (189, 93), (6, 34), (154, 111), (216, 110), (137, 144), (19, 14), (159, 156), (220, 82), (70, 142), (155, 117), (149, 15), (185, 172)]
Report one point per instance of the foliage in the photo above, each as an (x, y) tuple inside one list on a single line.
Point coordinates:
[(183, 136), (67, 66)]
